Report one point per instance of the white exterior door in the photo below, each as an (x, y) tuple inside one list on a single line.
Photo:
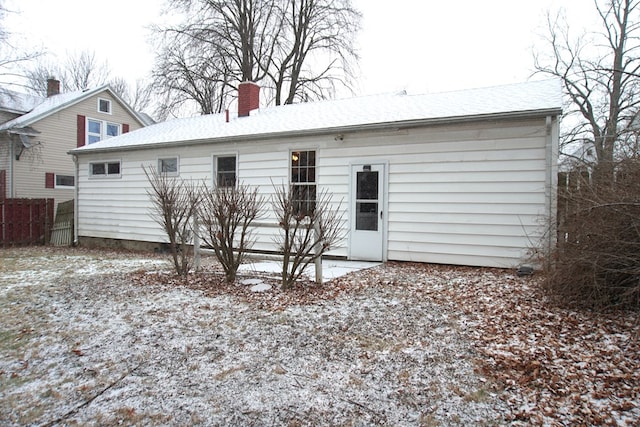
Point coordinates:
[(367, 215)]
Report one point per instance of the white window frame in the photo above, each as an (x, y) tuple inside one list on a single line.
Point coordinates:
[(294, 186), (215, 167), (106, 164), (170, 173), (103, 130), (109, 105), (56, 185)]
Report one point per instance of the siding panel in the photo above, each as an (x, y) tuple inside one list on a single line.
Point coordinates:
[(473, 194)]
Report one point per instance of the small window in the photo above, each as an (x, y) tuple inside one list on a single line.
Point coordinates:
[(225, 171), (168, 165), (303, 181), (105, 169), (65, 181), (104, 105)]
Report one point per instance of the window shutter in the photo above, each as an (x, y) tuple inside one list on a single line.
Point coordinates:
[(81, 137), (3, 184), (125, 127), (49, 180)]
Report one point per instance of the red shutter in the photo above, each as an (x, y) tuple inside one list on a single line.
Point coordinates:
[(82, 134), (125, 128), (3, 184), (49, 180)]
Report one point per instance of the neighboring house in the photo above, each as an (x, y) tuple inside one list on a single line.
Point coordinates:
[(465, 177), (37, 133)]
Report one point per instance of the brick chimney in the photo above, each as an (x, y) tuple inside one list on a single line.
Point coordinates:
[(53, 87), (248, 98)]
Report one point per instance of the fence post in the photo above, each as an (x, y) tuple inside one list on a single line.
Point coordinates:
[(196, 242), (318, 249)]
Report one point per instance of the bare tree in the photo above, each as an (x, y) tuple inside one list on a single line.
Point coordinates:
[(318, 31), (186, 72), (304, 236), (139, 97), (12, 59), (227, 213), (600, 74), (298, 49), (174, 205), (84, 71), (77, 72)]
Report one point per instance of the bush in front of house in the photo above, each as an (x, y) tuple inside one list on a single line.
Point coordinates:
[(226, 214), (174, 204), (306, 230), (597, 260)]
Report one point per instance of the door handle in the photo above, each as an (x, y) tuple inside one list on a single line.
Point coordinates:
[(380, 214)]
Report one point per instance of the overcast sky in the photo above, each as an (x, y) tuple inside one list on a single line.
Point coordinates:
[(415, 45)]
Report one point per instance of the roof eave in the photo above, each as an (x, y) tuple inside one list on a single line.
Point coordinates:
[(339, 129)]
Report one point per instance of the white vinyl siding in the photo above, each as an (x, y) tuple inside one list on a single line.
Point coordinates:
[(473, 193)]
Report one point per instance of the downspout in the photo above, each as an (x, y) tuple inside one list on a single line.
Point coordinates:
[(76, 191), (12, 194), (552, 147)]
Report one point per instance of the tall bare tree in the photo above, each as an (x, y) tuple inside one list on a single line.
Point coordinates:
[(12, 59), (600, 74), (318, 32), (296, 49), (78, 72)]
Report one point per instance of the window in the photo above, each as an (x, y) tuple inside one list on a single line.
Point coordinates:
[(97, 130), (303, 181), (65, 181), (104, 105), (225, 171), (168, 165), (105, 169)]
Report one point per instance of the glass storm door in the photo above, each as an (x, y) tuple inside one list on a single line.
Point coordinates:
[(367, 213)]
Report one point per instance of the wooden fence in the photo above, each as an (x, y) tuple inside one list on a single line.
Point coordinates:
[(62, 234), (569, 184), (25, 221)]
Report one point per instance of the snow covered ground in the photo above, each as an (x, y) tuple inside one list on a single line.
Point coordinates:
[(107, 338)]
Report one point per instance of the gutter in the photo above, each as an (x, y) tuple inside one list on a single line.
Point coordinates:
[(11, 160), (324, 131), (76, 191)]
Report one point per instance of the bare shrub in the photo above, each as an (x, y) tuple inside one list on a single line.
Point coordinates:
[(304, 235), (597, 259), (226, 214), (174, 204)]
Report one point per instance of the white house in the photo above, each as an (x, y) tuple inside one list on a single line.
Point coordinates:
[(465, 177)]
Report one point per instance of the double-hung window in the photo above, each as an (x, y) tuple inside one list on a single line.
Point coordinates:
[(225, 171), (97, 130), (303, 181)]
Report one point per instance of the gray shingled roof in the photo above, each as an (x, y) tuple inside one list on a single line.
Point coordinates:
[(537, 97)]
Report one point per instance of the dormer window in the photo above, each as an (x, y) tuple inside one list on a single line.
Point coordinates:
[(104, 105)]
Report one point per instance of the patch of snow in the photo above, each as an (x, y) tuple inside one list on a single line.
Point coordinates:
[(260, 287)]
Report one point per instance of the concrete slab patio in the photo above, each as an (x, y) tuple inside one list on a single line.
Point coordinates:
[(330, 268)]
